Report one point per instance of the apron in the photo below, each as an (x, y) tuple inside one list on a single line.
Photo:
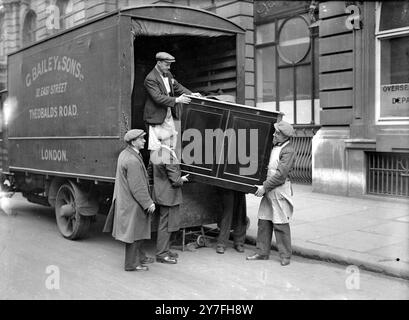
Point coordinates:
[(164, 130), (277, 205), (161, 131)]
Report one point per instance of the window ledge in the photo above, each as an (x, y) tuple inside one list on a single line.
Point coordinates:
[(360, 144)]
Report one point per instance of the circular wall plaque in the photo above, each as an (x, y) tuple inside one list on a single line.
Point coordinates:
[(294, 40)]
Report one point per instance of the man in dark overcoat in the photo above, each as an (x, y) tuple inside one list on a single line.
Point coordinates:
[(129, 217)]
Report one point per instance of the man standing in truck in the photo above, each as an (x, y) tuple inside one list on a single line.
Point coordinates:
[(163, 99), (129, 218)]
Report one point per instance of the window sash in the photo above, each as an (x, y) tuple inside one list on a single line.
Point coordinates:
[(378, 14), (384, 35), (293, 110)]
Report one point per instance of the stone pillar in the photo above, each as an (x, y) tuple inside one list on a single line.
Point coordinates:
[(357, 164), (12, 24), (336, 48), (241, 12), (11, 35), (329, 165)]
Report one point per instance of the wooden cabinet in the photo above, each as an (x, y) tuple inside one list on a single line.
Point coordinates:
[(226, 144)]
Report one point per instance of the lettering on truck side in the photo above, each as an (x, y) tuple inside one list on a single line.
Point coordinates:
[(55, 63), (56, 88), (70, 110), (54, 155)]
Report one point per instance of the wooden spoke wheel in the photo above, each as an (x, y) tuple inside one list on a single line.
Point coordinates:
[(71, 224), (201, 241)]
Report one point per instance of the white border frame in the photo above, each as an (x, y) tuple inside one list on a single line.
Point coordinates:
[(379, 36)]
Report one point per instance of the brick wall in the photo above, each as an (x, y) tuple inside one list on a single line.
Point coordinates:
[(11, 25)]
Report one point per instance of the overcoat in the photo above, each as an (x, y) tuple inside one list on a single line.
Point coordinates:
[(276, 204), (128, 219), (164, 169), (158, 100)]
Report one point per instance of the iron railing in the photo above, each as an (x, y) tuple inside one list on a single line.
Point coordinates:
[(388, 174), (302, 142)]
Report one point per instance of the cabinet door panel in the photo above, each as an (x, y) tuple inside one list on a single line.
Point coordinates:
[(199, 150), (253, 142), (226, 144)]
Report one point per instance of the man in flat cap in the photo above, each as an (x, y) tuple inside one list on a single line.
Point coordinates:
[(164, 168), (163, 99), (129, 218), (276, 206)]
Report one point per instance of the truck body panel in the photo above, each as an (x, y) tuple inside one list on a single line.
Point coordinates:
[(67, 103)]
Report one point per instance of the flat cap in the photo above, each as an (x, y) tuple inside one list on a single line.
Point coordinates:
[(285, 128), (133, 134), (164, 56)]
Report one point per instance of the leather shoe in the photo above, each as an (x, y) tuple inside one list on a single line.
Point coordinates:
[(285, 262), (173, 255), (220, 249), (166, 259), (147, 260), (141, 267), (257, 256), (239, 247)]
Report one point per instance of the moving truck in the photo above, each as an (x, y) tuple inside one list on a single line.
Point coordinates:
[(71, 98)]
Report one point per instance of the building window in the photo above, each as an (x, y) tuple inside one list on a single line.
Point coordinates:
[(286, 68), (392, 59), (66, 11), (29, 28)]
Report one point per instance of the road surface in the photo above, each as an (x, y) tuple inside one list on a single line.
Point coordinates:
[(36, 262)]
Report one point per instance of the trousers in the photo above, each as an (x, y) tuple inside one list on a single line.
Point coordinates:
[(233, 217), (134, 254), (163, 240), (282, 234)]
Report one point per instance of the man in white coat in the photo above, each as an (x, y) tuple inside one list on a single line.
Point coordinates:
[(276, 206)]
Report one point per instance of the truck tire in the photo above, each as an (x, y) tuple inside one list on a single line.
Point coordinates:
[(70, 222)]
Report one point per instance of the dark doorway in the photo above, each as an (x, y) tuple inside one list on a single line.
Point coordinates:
[(203, 64)]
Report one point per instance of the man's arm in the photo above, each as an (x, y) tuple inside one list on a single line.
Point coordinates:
[(173, 171), (174, 174), (161, 100), (178, 88), (137, 185), (286, 162)]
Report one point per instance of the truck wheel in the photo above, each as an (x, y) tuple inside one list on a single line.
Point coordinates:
[(71, 224)]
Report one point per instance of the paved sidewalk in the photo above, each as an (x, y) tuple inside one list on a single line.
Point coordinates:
[(371, 232)]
